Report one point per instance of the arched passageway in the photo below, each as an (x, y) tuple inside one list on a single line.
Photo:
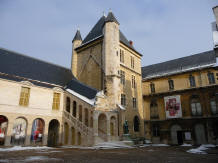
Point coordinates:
[(37, 131), (200, 134), (19, 131), (79, 138), (53, 132), (102, 126), (66, 133), (3, 129), (86, 117), (112, 126), (176, 134), (73, 140), (136, 124)]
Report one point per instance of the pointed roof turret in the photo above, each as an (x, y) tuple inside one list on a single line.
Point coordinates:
[(111, 18), (77, 36)]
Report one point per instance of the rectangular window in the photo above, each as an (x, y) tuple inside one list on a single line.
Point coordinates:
[(24, 96), (134, 103), (192, 81), (133, 82), (152, 86), (121, 56), (211, 78), (56, 101), (171, 84), (132, 62), (123, 99), (122, 77)]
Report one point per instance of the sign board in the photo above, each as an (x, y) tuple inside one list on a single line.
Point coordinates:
[(173, 107)]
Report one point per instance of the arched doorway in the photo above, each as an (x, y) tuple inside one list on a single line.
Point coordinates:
[(102, 126), (176, 134), (80, 113), (79, 138), (73, 140), (112, 126), (86, 117), (200, 134), (136, 124), (37, 131), (66, 133), (3, 128), (19, 132), (53, 131)]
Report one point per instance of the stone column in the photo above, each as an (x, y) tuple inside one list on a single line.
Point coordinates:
[(83, 115), (45, 134), (61, 134), (108, 129), (70, 136), (28, 133), (95, 126), (8, 135)]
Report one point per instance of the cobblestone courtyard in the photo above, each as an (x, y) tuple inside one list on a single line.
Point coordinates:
[(145, 154)]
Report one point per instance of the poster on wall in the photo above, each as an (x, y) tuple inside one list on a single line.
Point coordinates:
[(173, 107)]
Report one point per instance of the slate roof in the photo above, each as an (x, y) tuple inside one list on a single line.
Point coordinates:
[(111, 18), (19, 67), (82, 89), (97, 32), (179, 65), (77, 36)]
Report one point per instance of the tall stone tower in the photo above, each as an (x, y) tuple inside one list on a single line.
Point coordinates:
[(76, 42), (111, 60)]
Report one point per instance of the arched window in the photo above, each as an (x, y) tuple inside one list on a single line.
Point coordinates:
[(154, 110), (214, 104), (74, 108), (196, 106), (80, 113), (68, 105), (136, 124)]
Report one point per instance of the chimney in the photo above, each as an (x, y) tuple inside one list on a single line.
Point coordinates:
[(130, 42), (215, 11)]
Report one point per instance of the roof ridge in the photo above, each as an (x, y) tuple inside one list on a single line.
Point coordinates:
[(178, 58), (24, 55)]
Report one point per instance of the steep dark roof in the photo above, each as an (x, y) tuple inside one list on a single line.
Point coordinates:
[(82, 89), (97, 31), (18, 67), (12, 63), (111, 18), (179, 65), (77, 36)]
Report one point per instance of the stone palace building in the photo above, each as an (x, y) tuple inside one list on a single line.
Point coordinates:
[(45, 104)]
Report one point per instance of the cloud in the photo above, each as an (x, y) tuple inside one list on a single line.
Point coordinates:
[(161, 29)]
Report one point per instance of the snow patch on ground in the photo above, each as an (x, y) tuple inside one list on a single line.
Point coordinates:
[(154, 145), (104, 145), (20, 148), (186, 145), (39, 158), (202, 149)]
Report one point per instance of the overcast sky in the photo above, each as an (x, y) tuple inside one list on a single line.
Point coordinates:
[(160, 29)]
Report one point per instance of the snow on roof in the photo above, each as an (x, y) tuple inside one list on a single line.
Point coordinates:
[(89, 101), (121, 107)]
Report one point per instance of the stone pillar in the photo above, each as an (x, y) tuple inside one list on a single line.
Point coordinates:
[(108, 130), (8, 136), (83, 115), (61, 134), (70, 136), (28, 133), (76, 136), (45, 134), (95, 126)]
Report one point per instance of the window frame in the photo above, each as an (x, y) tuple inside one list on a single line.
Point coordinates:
[(24, 97), (56, 101), (171, 84)]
